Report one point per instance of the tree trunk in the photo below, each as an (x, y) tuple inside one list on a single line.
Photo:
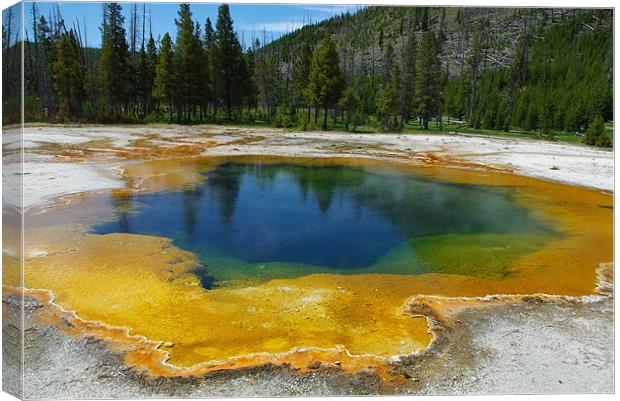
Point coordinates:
[(472, 97), (325, 120)]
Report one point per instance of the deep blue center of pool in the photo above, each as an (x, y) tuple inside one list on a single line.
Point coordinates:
[(331, 216)]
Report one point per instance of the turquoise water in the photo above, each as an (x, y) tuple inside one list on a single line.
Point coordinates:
[(250, 222)]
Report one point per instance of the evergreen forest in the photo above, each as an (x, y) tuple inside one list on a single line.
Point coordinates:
[(547, 72)]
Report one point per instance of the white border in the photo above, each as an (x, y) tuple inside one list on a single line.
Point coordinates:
[(486, 3)]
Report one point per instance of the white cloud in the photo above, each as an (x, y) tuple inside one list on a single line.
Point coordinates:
[(291, 25), (282, 26), (330, 9)]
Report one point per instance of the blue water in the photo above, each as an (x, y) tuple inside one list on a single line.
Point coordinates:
[(317, 218)]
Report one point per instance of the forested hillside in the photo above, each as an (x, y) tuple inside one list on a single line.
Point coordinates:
[(383, 68), (545, 70)]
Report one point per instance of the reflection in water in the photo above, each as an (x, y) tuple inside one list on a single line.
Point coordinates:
[(191, 200), (123, 207), (224, 187), (268, 221)]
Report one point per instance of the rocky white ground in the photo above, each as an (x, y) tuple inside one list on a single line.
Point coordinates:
[(527, 348), (521, 348), (48, 174)]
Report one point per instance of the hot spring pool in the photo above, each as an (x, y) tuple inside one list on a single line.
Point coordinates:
[(250, 222)]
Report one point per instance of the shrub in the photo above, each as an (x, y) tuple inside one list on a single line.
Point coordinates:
[(595, 134)]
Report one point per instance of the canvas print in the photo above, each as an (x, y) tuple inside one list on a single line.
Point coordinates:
[(224, 200)]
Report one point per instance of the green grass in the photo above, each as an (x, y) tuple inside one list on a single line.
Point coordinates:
[(461, 129), (373, 126)]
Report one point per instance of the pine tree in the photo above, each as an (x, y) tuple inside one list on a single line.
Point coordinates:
[(189, 71), (367, 91), (427, 79), (473, 61), (408, 79), (69, 74), (268, 77), (546, 116), (388, 62), (388, 102), (145, 79), (326, 81), (424, 23), (114, 61), (517, 76), (595, 134), (210, 62), (243, 86), (301, 75), (134, 55), (47, 43), (164, 73), (251, 89), (229, 71), (151, 62), (349, 104)]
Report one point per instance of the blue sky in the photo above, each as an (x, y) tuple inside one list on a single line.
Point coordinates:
[(273, 18)]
